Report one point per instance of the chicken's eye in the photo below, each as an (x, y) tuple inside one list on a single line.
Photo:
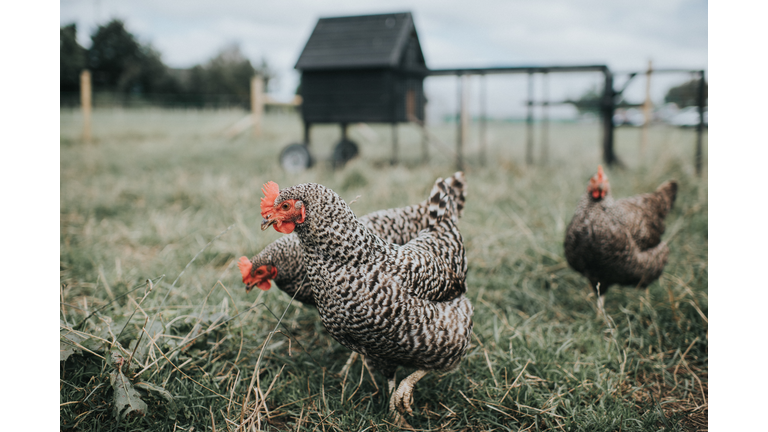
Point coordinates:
[(285, 206)]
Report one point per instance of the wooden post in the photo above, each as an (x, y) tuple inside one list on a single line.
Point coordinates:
[(646, 110), (257, 103), (465, 108), (529, 122), (424, 138), (483, 118), (85, 103), (460, 127), (545, 119)]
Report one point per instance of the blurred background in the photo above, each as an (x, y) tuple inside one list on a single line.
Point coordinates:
[(200, 56), (197, 54)]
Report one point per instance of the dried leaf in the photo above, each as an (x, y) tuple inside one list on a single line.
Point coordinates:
[(159, 390), (127, 399), (67, 341)]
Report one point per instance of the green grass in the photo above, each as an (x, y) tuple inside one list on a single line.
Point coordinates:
[(157, 187)]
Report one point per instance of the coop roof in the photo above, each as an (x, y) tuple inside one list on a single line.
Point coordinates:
[(367, 41)]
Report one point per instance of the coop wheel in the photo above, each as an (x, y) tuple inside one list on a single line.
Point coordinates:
[(344, 151), (295, 158)]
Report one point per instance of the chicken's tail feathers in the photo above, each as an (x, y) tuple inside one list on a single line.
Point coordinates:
[(668, 192), (441, 203), (457, 188)]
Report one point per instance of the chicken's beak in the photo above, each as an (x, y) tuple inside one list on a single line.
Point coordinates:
[(266, 223)]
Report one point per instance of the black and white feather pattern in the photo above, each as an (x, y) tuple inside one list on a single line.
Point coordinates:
[(397, 305), (396, 225)]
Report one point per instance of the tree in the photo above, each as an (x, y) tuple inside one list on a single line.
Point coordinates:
[(687, 94), (589, 102), (72, 59), (225, 79), (119, 63)]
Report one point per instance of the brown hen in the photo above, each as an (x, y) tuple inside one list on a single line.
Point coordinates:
[(619, 241)]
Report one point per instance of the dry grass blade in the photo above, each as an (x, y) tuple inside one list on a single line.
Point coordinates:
[(182, 372), (529, 234), (514, 382), (255, 376), (682, 359), (162, 303), (488, 361)]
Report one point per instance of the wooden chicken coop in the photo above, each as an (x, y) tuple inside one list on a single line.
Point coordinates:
[(370, 68), (366, 68)]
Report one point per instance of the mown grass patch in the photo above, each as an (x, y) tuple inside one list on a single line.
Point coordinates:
[(155, 214)]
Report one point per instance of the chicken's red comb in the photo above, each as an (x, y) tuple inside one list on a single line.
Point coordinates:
[(245, 267), (600, 174), (270, 190)]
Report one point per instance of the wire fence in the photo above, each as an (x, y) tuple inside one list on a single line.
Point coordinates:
[(104, 99)]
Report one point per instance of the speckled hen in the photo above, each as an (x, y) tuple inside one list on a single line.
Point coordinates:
[(396, 305), (619, 242), (282, 260)]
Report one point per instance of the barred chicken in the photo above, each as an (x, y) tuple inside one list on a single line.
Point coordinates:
[(619, 242), (396, 305), (282, 260)]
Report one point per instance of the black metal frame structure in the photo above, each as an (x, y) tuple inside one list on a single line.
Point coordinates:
[(698, 155), (607, 106), (370, 68)]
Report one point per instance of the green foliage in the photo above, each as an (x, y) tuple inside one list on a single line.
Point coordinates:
[(71, 59), (123, 70), (197, 349), (687, 94), (119, 63), (227, 76)]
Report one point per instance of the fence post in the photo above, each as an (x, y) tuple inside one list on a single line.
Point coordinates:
[(700, 126), (545, 119), (608, 107), (85, 103), (257, 103), (461, 132), (483, 119), (646, 110), (424, 139), (529, 123)]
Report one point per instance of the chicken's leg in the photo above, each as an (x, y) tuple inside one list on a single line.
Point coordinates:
[(401, 400), (391, 383), (600, 305), (348, 364), (600, 299)]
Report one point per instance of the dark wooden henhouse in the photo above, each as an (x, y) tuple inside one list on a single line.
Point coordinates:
[(366, 68)]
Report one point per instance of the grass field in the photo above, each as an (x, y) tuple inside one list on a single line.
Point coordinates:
[(155, 213)]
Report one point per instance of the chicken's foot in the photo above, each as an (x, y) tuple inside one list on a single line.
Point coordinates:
[(600, 301), (401, 400)]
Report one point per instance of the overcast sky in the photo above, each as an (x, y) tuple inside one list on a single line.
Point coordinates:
[(623, 35)]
